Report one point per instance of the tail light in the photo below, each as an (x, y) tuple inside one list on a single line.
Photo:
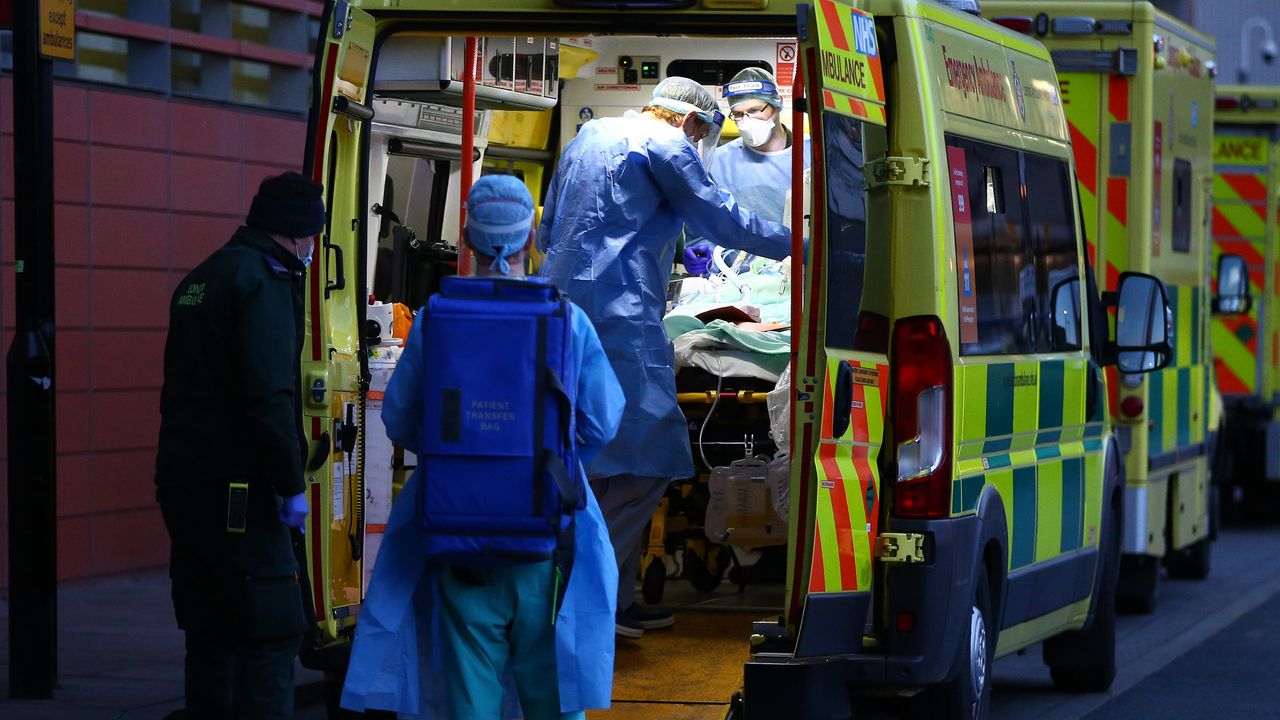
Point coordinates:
[(1226, 102), (1020, 24), (922, 426), (1131, 407)]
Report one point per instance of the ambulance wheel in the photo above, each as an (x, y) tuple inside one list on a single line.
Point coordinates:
[(1190, 563), (654, 583), (968, 695), (1085, 660), (1139, 584)]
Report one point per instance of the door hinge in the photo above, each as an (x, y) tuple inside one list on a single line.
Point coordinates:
[(900, 548), (909, 171)]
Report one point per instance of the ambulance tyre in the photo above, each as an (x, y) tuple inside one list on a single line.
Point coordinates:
[(1190, 563), (653, 585), (1139, 587), (968, 695), (1085, 660)]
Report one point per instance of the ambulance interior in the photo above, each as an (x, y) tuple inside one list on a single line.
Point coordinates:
[(719, 543)]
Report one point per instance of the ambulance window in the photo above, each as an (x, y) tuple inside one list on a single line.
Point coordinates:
[(1181, 206), (1050, 212), (847, 144), (1003, 276), (713, 72), (995, 198)]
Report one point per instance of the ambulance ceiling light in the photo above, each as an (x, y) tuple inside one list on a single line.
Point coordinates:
[(970, 6), (1020, 24), (1076, 25), (1212, 68)]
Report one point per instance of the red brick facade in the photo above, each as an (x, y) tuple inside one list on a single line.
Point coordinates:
[(146, 187)]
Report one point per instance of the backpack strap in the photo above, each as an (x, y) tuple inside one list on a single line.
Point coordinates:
[(569, 495)]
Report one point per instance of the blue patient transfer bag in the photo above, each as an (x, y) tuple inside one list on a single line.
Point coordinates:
[(501, 478)]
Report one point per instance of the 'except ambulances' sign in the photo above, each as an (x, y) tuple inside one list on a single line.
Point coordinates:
[(849, 56), (58, 29), (1240, 150)]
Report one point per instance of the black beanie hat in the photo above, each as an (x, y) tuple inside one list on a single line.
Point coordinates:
[(288, 204)]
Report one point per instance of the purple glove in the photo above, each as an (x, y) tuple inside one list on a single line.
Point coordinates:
[(293, 511), (696, 259)]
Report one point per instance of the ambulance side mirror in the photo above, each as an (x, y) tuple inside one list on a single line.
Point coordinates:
[(1144, 324), (1233, 296), (1066, 315)]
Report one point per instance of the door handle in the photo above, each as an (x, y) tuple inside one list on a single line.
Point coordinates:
[(842, 396)]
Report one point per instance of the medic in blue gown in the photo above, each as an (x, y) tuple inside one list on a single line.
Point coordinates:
[(756, 167), (432, 645), (622, 192)]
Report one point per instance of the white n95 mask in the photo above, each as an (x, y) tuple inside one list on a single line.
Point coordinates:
[(755, 132)]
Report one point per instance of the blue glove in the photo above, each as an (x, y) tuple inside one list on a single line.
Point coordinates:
[(696, 259), (293, 511)]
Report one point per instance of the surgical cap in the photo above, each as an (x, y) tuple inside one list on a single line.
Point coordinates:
[(499, 215), (682, 95), (753, 83)]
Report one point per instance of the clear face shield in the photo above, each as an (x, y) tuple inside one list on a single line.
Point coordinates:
[(713, 124), (706, 136)]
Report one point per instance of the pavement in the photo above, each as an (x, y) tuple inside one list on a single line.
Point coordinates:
[(1209, 650), (120, 655)]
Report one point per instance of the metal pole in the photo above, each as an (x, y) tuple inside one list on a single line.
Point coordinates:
[(33, 551), (472, 66)]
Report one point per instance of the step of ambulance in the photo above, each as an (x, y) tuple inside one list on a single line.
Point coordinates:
[(687, 671)]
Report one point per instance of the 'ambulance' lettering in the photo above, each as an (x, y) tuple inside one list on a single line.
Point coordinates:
[(844, 69), (1240, 150)]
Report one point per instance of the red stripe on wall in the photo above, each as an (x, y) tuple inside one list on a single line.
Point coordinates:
[(1228, 382), (832, 13), (840, 509), (1086, 159), (1222, 226), (1118, 200), (1118, 97), (1248, 187), (817, 571)]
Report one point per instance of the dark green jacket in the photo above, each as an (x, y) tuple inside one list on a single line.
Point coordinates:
[(230, 408)]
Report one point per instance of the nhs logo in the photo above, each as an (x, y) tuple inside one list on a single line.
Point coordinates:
[(864, 35)]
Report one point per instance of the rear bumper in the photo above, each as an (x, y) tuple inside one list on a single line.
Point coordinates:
[(935, 595)]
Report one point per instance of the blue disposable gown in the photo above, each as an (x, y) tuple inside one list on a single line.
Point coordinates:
[(758, 180), (395, 662), (623, 190)]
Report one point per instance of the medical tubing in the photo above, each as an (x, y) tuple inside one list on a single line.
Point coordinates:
[(719, 385), (730, 273)]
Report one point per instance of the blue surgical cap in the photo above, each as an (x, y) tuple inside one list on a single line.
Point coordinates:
[(753, 83), (499, 215)]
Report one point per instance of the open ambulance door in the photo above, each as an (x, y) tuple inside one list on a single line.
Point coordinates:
[(841, 376), (333, 372)]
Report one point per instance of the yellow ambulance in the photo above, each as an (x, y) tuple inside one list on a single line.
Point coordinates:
[(1137, 90), (956, 492), (1246, 345)]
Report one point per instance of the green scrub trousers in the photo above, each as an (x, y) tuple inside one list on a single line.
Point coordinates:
[(495, 616)]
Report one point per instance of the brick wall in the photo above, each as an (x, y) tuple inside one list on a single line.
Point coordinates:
[(146, 187)]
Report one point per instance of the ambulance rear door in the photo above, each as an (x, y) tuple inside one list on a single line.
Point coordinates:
[(333, 372), (841, 375)]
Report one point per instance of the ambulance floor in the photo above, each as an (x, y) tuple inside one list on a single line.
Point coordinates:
[(689, 671)]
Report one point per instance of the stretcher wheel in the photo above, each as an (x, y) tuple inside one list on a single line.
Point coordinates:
[(654, 583), (704, 566)]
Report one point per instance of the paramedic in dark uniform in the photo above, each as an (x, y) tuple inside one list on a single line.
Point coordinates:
[(229, 469)]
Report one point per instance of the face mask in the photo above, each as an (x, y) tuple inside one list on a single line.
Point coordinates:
[(306, 258), (755, 132)]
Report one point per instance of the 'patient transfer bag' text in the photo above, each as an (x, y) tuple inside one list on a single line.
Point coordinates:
[(499, 461)]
